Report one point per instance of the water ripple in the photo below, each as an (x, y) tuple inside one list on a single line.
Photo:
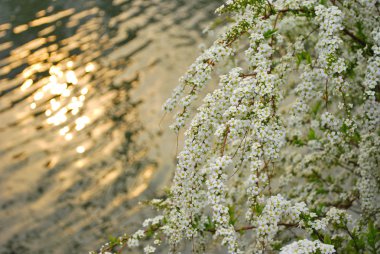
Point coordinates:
[(81, 84)]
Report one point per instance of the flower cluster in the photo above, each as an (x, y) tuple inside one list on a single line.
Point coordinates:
[(195, 78), (307, 247), (276, 210), (288, 139), (217, 194)]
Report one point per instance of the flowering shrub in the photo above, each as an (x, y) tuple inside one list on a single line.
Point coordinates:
[(283, 156)]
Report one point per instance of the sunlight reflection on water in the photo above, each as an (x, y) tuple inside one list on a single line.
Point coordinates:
[(81, 87), (56, 97)]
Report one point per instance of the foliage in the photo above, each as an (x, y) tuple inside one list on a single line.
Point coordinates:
[(284, 153)]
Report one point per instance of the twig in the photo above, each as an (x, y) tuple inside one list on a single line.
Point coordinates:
[(245, 228), (355, 38), (225, 140), (353, 238), (326, 93)]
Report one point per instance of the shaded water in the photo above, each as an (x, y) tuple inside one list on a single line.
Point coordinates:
[(81, 87)]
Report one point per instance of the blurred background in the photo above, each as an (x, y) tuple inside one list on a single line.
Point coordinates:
[(81, 137)]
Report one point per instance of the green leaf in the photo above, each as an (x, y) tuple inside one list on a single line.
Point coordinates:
[(277, 246), (297, 141), (303, 56), (113, 240), (344, 128), (209, 225), (350, 70), (150, 231), (258, 208), (231, 212), (326, 239), (316, 107), (319, 210), (331, 58), (299, 59), (270, 33), (360, 32), (322, 191), (307, 57), (312, 135), (373, 236), (356, 137)]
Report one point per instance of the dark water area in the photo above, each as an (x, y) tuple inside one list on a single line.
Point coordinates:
[(81, 88)]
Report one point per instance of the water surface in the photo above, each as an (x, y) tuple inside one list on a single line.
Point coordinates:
[(81, 88)]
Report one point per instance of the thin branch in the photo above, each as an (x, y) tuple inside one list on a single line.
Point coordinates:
[(326, 97), (355, 38), (349, 33), (245, 228), (248, 75), (357, 248), (225, 140), (241, 142), (270, 6)]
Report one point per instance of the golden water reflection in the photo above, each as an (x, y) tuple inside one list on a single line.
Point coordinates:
[(60, 95), (81, 87)]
